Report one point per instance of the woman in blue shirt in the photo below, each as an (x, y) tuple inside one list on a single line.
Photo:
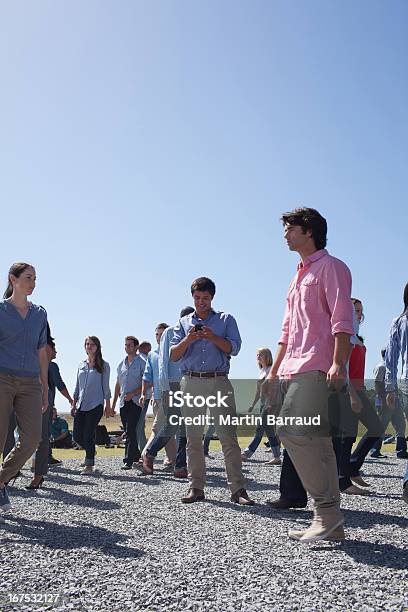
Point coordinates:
[(398, 347), (91, 392), (23, 371)]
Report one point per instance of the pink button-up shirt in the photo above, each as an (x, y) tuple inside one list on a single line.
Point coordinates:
[(318, 306)]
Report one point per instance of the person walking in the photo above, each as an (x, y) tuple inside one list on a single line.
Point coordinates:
[(203, 342), (128, 388), (312, 356), (43, 457), (23, 371), (264, 361), (91, 400), (397, 348)]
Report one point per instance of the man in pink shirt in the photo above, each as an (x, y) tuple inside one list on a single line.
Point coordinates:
[(311, 360)]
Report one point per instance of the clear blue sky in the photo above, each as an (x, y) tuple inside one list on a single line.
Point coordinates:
[(146, 143)]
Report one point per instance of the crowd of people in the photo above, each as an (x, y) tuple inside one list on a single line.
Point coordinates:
[(312, 395)]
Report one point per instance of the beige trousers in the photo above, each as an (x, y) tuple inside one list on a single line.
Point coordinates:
[(204, 388), (310, 447), (23, 396)]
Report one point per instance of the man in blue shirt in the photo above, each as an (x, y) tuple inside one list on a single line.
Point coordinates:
[(203, 343), (169, 380), (128, 388), (151, 380)]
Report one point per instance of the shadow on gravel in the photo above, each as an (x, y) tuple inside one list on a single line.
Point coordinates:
[(261, 509), (253, 485), (69, 498), (69, 537), (64, 480), (378, 555), (365, 519)]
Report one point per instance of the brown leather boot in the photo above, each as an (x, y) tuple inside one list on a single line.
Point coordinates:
[(193, 495), (181, 473)]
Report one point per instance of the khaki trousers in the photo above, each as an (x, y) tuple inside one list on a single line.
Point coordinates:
[(311, 448), (23, 396), (205, 387)]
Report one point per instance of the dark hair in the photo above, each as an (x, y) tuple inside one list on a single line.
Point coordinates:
[(308, 219), (405, 298), (186, 311), (145, 344), (134, 340), (203, 284), (16, 270), (162, 326), (383, 351), (99, 362)]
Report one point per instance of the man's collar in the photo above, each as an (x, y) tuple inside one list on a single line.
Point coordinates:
[(312, 258), (195, 315)]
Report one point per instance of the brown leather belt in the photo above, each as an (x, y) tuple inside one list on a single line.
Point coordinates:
[(206, 374)]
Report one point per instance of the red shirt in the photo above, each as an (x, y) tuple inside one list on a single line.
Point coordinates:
[(357, 365)]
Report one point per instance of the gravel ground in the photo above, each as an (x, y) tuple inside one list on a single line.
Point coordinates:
[(122, 541)]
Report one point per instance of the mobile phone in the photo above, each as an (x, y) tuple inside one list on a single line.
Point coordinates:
[(198, 327)]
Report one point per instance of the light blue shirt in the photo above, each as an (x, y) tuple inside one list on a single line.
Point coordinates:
[(92, 387), (169, 371), (151, 373), (21, 338), (397, 347), (130, 378), (203, 355)]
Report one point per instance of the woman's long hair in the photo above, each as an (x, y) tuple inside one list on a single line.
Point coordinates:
[(267, 354), (99, 362), (16, 270)]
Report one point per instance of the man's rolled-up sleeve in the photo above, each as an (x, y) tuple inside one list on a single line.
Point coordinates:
[(148, 371), (284, 339), (337, 286), (178, 335), (233, 335)]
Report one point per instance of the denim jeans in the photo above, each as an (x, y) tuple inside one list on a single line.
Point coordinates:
[(269, 431), (84, 431), (396, 417), (169, 430), (140, 429), (130, 415)]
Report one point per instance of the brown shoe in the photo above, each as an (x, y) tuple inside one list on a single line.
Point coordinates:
[(181, 473), (193, 495), (284, 504), (359, 481), (274, 461), (242, 498), (147, 466), (354, 490)]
